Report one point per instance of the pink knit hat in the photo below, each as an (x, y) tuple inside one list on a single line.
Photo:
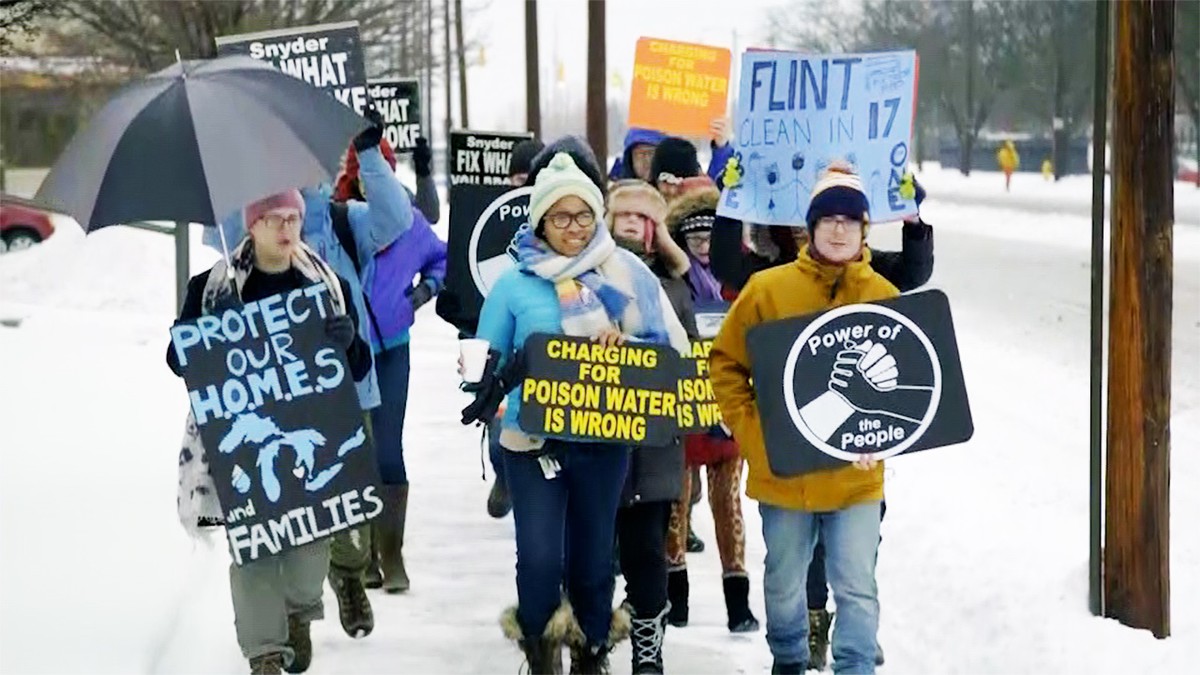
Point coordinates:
[(288, 199)]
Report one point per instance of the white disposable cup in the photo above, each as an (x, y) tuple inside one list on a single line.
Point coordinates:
[(474, 353)]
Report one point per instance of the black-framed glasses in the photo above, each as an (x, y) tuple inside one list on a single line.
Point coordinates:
[(275, 221), (561, 221)]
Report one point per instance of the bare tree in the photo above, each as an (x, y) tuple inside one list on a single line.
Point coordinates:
[(18, 18), (1187, 68)]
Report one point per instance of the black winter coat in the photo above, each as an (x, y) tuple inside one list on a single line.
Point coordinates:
[(907, 269), (656, 474)]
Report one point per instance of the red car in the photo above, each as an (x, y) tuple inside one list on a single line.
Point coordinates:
[(22, 224)]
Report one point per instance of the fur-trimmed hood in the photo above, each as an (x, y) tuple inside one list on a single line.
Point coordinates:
[(691, 203)]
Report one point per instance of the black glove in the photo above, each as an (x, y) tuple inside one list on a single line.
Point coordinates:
[(491, 389), (920, 196), (423, 157), (420, 294), (340, 329), (371, 136)]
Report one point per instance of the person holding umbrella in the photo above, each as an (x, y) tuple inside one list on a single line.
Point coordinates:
[(276, 598)]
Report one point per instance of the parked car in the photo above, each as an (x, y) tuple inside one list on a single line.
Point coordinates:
[(22, 224)]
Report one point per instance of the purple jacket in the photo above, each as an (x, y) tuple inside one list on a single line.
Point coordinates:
[(417, 252)]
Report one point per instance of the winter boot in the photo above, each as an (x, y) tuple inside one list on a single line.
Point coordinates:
[(819, 622), (787, 668), (300, 640), (694, 543), (543, 655), (647, 639), (498, 502), (391, 538), (878, 653), (267, 664), (373, 577), (590, 660), (677, 597), (737, 604), (354, 608)]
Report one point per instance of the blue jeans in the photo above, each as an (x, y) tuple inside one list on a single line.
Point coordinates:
[(818, 585), (391, 367), (566, 524), (851, 538)]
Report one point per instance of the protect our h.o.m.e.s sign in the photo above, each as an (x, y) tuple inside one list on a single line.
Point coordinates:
[(798, 113), (280, 423), (328, 56), (399, 102), (882, 379), (577, 389), (678, 87)]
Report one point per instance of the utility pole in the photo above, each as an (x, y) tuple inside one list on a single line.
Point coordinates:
[(427, 97), (968, 145), (1096, 384), (1137, 528), (597, 82), (533, 94), (462, 65), (449, 79)]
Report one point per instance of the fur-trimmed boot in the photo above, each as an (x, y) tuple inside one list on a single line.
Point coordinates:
[(592, 659), (543, 655), (646, 637), (737, 604)]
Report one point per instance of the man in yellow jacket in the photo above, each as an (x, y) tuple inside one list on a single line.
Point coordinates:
[(1009, 160), (842, 505)]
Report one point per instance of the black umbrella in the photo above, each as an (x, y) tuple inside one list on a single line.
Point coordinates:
[(197, 141)]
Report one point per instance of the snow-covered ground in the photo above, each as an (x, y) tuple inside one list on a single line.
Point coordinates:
[(983, 568)]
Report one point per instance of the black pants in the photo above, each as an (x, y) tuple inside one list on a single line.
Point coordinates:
[(642, 537), (818, 586)]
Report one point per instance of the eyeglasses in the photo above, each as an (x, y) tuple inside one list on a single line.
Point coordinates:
[(698, 239), (276, 222), (561, 221), (645, 153), (834, 221)]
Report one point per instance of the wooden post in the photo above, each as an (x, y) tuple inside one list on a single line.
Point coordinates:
[(1096, 385), (533, 94), (182, 262), (1137, 530), (464, 118), (597, 82), (449, 82)]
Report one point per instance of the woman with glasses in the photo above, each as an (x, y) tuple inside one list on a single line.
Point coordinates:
[(570, 279)]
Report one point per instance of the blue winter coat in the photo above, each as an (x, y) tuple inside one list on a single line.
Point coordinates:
[(417, 252), (375, 223)]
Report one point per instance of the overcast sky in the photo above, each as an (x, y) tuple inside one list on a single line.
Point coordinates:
[(497, 88)]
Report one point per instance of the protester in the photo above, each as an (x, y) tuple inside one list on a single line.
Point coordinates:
[(368, 228), (640, 145), (417, 255), (522, 159), (276, 598), (691, 221), (349, 184), (570, 279), (1009, 160), (675, 169), (840, 505), (636, 218)]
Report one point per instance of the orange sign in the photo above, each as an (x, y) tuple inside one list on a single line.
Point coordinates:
[(678, 88)]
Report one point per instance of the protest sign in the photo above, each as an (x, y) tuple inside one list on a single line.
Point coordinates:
[(698, 409), (798, 113), (678, 87), (329, 57), (577, 389), (399, 101), (878, 378), (280, 422), (485, 212)]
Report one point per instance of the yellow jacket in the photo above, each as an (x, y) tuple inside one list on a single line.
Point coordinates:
[(803, 287), (1008, 158)]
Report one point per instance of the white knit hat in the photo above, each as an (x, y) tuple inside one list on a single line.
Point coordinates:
[(562, 178), (839, 191)]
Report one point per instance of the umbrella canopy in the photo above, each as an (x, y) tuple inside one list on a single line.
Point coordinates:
[(197, 141)]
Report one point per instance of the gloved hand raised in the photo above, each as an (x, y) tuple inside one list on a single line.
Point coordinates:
[(371, 136), (423, 157)]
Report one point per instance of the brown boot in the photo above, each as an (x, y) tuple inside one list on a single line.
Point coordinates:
[(390, 526), (300, 640), (373, 576), (267, 664)]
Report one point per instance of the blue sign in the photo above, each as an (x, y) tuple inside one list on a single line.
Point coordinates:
[(280, 423), (797, 113)]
